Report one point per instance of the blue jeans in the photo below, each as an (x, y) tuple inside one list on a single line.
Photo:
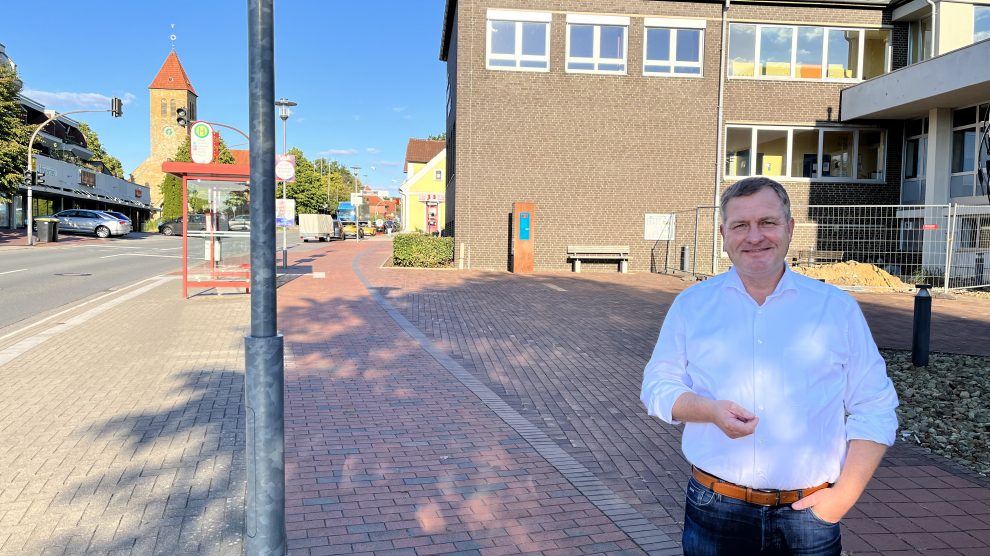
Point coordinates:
[(716, 525)]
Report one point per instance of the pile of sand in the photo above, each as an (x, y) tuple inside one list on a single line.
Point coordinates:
[(852, 273)]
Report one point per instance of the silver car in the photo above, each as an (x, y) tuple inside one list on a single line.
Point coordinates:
[(99, 223)]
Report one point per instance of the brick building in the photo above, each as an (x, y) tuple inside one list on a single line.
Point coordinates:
[(606, 111), (169, 91)]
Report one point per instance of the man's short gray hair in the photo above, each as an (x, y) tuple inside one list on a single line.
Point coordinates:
[(749, 186)]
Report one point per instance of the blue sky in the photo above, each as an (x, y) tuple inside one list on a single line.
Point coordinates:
[(366, 75)]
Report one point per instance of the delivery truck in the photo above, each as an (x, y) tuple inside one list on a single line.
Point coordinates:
[(320, 226)]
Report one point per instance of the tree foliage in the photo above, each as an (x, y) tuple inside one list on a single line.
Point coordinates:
[(171, 186), (99, 154), (13, 134), (438, 137), (320, 185)]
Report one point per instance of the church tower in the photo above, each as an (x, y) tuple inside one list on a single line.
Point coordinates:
[(170, 90)]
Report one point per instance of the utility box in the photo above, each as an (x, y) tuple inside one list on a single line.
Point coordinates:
[(523, 237)]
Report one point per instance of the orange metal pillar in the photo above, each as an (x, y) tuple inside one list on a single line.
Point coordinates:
[(523, 237)]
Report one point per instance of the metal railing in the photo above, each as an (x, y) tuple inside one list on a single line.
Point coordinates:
[(947, 246)]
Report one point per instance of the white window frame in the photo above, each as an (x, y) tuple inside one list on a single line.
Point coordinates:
[(518, 18), (438, 175), (675, 25), (824, 60), (817, 178), (597, 22)]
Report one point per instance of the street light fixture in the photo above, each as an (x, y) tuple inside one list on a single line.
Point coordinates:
[(116, 110), (283, 112)]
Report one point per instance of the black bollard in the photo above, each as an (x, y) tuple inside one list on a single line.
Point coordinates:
[(922, 326)]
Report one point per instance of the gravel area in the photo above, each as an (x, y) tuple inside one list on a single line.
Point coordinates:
[(945, 407)]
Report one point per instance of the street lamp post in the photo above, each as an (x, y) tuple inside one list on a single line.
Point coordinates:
[(115, 109), (283, 112), (357, 208)]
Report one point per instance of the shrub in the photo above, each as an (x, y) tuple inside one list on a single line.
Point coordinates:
[(421, 250)]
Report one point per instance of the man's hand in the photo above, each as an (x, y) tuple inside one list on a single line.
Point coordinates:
[(829, 504), (732, 419)]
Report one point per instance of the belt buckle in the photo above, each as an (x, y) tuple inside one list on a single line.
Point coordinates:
[(776, 494)]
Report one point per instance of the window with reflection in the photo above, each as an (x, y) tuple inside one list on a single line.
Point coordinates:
[(672, 51), (519, 45), (967, 155), (742, 50), (837, 154), (596, 48), (775, 51), (981, 23)]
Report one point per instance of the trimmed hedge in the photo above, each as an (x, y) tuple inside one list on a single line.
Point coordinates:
[(421, 250)]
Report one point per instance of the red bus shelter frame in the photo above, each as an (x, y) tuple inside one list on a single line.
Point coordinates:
[(211, 172)]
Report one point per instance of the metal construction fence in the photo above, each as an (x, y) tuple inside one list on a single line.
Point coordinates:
[(946, 246)]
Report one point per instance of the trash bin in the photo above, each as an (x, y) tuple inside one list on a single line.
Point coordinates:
[(47, 230)]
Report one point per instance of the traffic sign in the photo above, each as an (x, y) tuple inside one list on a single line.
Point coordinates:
[(201, 143), (285, 167)]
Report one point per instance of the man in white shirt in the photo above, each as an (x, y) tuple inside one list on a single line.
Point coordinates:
[(786, 400)]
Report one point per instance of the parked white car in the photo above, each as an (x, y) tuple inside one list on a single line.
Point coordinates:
[(97, 222)]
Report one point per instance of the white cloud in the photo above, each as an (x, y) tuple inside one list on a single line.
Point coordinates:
[(299, 120), (372, 150), (66, 100), (388, 163), (398, 109), (340, 152), (407, 117)]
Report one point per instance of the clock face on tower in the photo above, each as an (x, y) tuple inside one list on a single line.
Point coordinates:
[(167, 131)]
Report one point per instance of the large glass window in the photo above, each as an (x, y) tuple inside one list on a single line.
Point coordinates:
[(671, 50), (804, 157), (847, 155), (876, 53), (596, 46), (919, 40), (518, 40), (775, 51), (967, 155), (870, 155), (810, 50), (915, 153), (771, 152), (797, 52), (843, 54), (738, 146), (981, 23), (742, 50)]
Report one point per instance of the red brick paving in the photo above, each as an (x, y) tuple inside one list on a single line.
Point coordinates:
[(567, 352)]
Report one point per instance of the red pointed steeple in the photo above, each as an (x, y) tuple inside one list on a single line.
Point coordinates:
[(172, 76)]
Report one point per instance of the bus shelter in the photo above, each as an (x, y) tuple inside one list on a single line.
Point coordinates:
[(216, 225)]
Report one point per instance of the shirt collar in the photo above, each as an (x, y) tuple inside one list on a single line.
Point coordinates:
[(786, 282)]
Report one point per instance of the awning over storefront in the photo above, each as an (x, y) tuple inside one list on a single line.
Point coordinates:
[(955, 79)]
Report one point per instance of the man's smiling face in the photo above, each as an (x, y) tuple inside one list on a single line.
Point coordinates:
[(757, 234)]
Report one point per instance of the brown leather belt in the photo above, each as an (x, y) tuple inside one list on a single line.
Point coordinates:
[(752, 495)]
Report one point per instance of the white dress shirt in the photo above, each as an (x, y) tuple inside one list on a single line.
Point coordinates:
[(804, 362)]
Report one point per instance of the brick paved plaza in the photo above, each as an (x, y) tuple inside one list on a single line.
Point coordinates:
[(427, 412)]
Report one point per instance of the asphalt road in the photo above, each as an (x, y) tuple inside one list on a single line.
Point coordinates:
[(39, 281)]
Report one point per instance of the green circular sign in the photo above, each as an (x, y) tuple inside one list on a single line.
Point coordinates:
[(168, 131), (201, 130)]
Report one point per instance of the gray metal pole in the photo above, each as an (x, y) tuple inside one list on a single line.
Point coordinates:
[(264, 521), (285, 252)]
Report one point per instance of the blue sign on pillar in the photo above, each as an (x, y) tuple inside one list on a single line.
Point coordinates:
[(524, 226)]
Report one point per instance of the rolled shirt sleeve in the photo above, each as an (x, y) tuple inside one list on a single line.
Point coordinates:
[(665, 377), (870, 399)]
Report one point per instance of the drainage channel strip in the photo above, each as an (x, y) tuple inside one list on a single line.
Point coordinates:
[(648, 536)]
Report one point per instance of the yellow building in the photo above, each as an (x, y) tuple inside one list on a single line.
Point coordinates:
[(424, 191)]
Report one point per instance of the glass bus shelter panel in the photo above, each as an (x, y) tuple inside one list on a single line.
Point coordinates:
[(218, 243)]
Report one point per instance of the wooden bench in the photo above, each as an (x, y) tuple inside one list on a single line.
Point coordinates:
[(578, 253), (814, 256)]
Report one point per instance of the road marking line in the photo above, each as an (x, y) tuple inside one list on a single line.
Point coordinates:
[(141, 255), (555, 287), (95, 299), (13, 271), (26, 344)]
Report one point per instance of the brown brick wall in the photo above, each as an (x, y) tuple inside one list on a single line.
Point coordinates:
[(595, 153)]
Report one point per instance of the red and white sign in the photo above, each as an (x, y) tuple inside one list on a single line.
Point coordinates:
[(929, 226), (426, 197), (201, 143), (285, 167)]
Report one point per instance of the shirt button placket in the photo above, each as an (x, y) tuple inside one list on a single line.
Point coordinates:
[(759, 330)]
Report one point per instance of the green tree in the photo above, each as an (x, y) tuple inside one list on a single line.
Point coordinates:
[(13, 134), (438, 137), (171, 186), (99, 154)]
